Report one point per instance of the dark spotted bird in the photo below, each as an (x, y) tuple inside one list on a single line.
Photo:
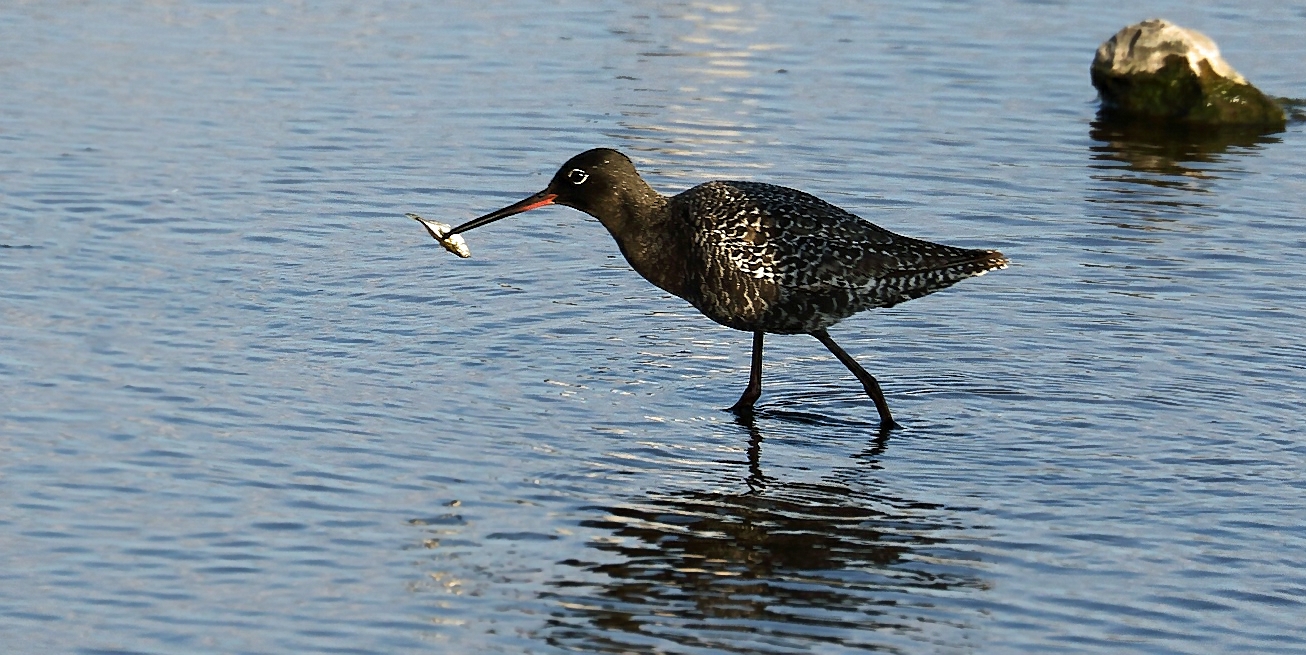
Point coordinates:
[(752, 256)]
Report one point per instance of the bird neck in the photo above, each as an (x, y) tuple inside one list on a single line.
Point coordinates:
[(641, 225)]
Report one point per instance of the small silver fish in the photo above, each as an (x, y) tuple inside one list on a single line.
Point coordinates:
[(454, 243)]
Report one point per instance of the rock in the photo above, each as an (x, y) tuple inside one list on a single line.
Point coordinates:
[(1158, 70)]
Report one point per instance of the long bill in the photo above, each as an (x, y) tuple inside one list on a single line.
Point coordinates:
[(540, 199)]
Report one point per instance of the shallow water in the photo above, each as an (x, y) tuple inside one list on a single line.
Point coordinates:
[(250, 407)]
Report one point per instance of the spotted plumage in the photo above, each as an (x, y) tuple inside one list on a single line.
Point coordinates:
[(783, 261), (753, 256)]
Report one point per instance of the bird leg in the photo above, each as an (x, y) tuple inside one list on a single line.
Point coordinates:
[(868, 381), (754, 389)]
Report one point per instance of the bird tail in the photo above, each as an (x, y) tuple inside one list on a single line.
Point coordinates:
[(983, 262), (944, 268), (952, 265)]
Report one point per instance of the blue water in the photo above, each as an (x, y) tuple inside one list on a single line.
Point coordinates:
[(247, 406)]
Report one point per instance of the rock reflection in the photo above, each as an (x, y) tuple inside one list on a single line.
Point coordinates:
[(1155, 176), (775, 567), (1168, 150)]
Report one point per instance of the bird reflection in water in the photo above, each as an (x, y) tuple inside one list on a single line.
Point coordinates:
[(776, 567)]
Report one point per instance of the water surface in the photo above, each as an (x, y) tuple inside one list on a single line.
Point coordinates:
[(249, 407)]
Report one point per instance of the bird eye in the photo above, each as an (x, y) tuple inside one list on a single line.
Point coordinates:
[(577, 176)]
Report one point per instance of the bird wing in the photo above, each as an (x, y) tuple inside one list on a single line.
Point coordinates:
[(806, 245), (791, 237)]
